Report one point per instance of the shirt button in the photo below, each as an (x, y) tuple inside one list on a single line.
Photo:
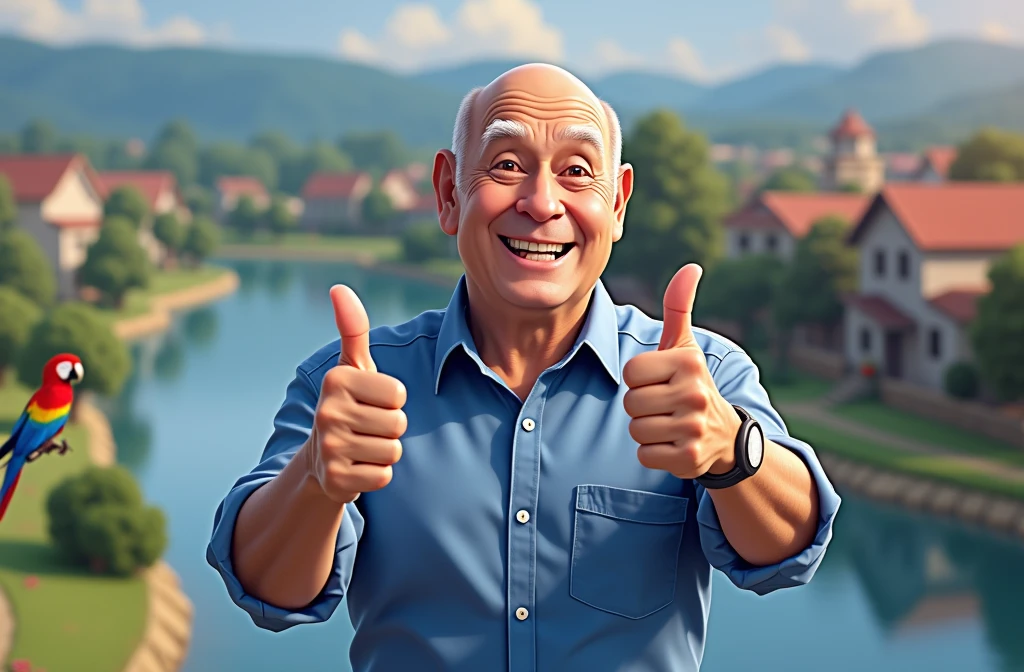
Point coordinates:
[(523, 516), (529, 424), (522, 613)]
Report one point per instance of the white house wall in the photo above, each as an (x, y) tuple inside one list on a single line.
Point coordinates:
[(757, 243)]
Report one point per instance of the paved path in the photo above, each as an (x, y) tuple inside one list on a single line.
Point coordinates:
[(817, 413)]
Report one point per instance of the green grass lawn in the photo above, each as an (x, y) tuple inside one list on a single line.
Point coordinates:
[(452, 268), (384, 248), (799, 386), (826, 440), (69, 616), (137, 301), (876, 414)]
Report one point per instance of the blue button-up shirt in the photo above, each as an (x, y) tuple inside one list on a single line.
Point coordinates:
[(523, 535)]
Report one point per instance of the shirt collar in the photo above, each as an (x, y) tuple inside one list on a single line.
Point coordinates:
[(600, 332)]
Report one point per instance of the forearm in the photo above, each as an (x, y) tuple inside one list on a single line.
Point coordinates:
[(284, 542), (773, 514)]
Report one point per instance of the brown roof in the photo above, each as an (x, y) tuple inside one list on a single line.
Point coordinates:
[(151, 183), (33, 177), (940, 159), (241, 186), (332, 185), (880, 310), (852, 125), (797, 212), (953, 216), (961, 305)]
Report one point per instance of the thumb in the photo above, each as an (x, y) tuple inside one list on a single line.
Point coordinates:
[(353, 327), (679, 296)]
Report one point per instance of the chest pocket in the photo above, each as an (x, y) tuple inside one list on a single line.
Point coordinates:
[(625, 552)]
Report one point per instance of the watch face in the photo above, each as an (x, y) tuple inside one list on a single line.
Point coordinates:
[(755, 447)]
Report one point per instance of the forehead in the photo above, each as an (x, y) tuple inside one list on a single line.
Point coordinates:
[(544, 112)]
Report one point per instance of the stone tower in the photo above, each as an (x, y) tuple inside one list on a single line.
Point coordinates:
[(853, 158)]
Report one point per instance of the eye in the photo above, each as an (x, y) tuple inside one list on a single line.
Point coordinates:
[(506, 165), (576, 171)]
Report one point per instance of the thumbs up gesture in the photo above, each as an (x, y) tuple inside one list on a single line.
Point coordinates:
[(683, 424), (359, 418)]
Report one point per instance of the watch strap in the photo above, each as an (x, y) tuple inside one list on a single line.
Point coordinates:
[(742, 469)]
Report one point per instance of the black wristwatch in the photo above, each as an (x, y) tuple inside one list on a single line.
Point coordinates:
[(749, 448)]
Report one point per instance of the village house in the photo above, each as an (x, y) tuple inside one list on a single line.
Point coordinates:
[(60, 204), (229, 189), (773, 221), (333, 201), (159, 188), (925, 251), (935, 163), (853, 157)]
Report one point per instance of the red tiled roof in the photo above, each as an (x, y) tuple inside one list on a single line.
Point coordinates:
[(241, 185), (150, 183), (880, 310), (959, 304), (852, 125), (797, 212), (940, 159), (954, 216), (332, 185), (902, 163), (33, 177)]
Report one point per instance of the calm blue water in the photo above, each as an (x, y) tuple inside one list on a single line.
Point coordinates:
[(896, 591)]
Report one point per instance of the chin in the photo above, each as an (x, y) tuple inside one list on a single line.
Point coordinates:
[(536, 293)]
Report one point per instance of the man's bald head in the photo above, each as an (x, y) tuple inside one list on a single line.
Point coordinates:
[(536, 79)]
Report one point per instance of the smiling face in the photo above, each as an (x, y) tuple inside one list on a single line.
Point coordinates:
[(537, 208)]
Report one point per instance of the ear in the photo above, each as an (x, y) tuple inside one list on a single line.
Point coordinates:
[(622, 194), (445, 192)]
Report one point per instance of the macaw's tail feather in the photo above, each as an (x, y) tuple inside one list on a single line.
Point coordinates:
[(5, 497)]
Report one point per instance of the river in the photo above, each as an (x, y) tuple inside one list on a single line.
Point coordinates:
[(896, 591)]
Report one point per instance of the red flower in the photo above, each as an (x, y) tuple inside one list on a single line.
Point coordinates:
[(21, 665), (867, 370), (31, 581)]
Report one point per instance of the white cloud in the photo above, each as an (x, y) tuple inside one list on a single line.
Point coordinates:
[(122, 21), (610, 55), (993, 31), (682, 58), (892, 22), (415, 36), (785, 44)]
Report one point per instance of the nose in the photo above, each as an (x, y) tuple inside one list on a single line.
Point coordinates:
[(541, 201)]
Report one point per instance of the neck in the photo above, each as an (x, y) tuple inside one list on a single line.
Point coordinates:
[(519, 344)]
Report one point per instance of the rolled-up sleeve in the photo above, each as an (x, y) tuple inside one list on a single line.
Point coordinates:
[(738, 381), (292, 426)]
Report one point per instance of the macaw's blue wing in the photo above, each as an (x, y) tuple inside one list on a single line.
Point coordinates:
[(12, 440), (11, 476)]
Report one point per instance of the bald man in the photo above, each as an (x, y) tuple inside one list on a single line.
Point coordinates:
[(533, 478)]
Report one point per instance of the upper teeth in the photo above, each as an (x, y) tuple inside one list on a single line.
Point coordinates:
[(535, 247)]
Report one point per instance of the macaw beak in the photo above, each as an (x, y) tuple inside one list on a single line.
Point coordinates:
[(77, 372)]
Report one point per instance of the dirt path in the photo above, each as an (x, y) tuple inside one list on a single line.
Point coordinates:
[(6, 627), (815, 412)]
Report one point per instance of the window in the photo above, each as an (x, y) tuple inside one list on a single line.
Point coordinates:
[(935, 343), (880, 263), (770, 242), (904, 265), (865, 339), (744, 242)]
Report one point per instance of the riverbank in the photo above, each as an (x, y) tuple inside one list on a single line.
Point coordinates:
[(162, 306)]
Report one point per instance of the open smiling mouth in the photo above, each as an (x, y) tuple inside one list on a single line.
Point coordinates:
[(537, 251)]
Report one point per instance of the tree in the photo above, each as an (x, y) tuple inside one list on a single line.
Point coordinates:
[(280, 218), (278, 145), (740, 290), (791, 178), (81, 329), (199, 200), (377, 208), (321, 156), (245, 218), (128, 202), (98, 519), (679, 199), (38, 137), (168, 230), (225, 158), (376, 152), (997, 333), (25, 267), (991, 155), (176, 149), (810, 292), (424, 241), (8, 206), (18, 316), (116, 262), (201, 240)]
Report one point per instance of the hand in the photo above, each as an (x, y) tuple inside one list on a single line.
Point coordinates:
[(682, 423), (359, 418)]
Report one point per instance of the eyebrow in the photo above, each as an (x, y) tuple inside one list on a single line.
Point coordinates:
[(585, 133), (503, 128)]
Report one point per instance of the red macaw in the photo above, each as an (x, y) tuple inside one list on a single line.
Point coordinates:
[(42, 421)]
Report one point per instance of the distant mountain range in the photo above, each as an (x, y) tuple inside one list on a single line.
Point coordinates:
[(936, 93)]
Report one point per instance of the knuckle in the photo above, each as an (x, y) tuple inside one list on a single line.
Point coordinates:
[(401, 424), (690, 452), (396, 453), (382, 478)]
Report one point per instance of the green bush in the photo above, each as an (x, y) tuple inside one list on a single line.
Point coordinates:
[(202, 239), (962, 380), (97, 519), (18, 316), (25, 267), (424, 241)]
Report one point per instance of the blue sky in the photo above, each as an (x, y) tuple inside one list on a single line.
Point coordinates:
[(709, 40)]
